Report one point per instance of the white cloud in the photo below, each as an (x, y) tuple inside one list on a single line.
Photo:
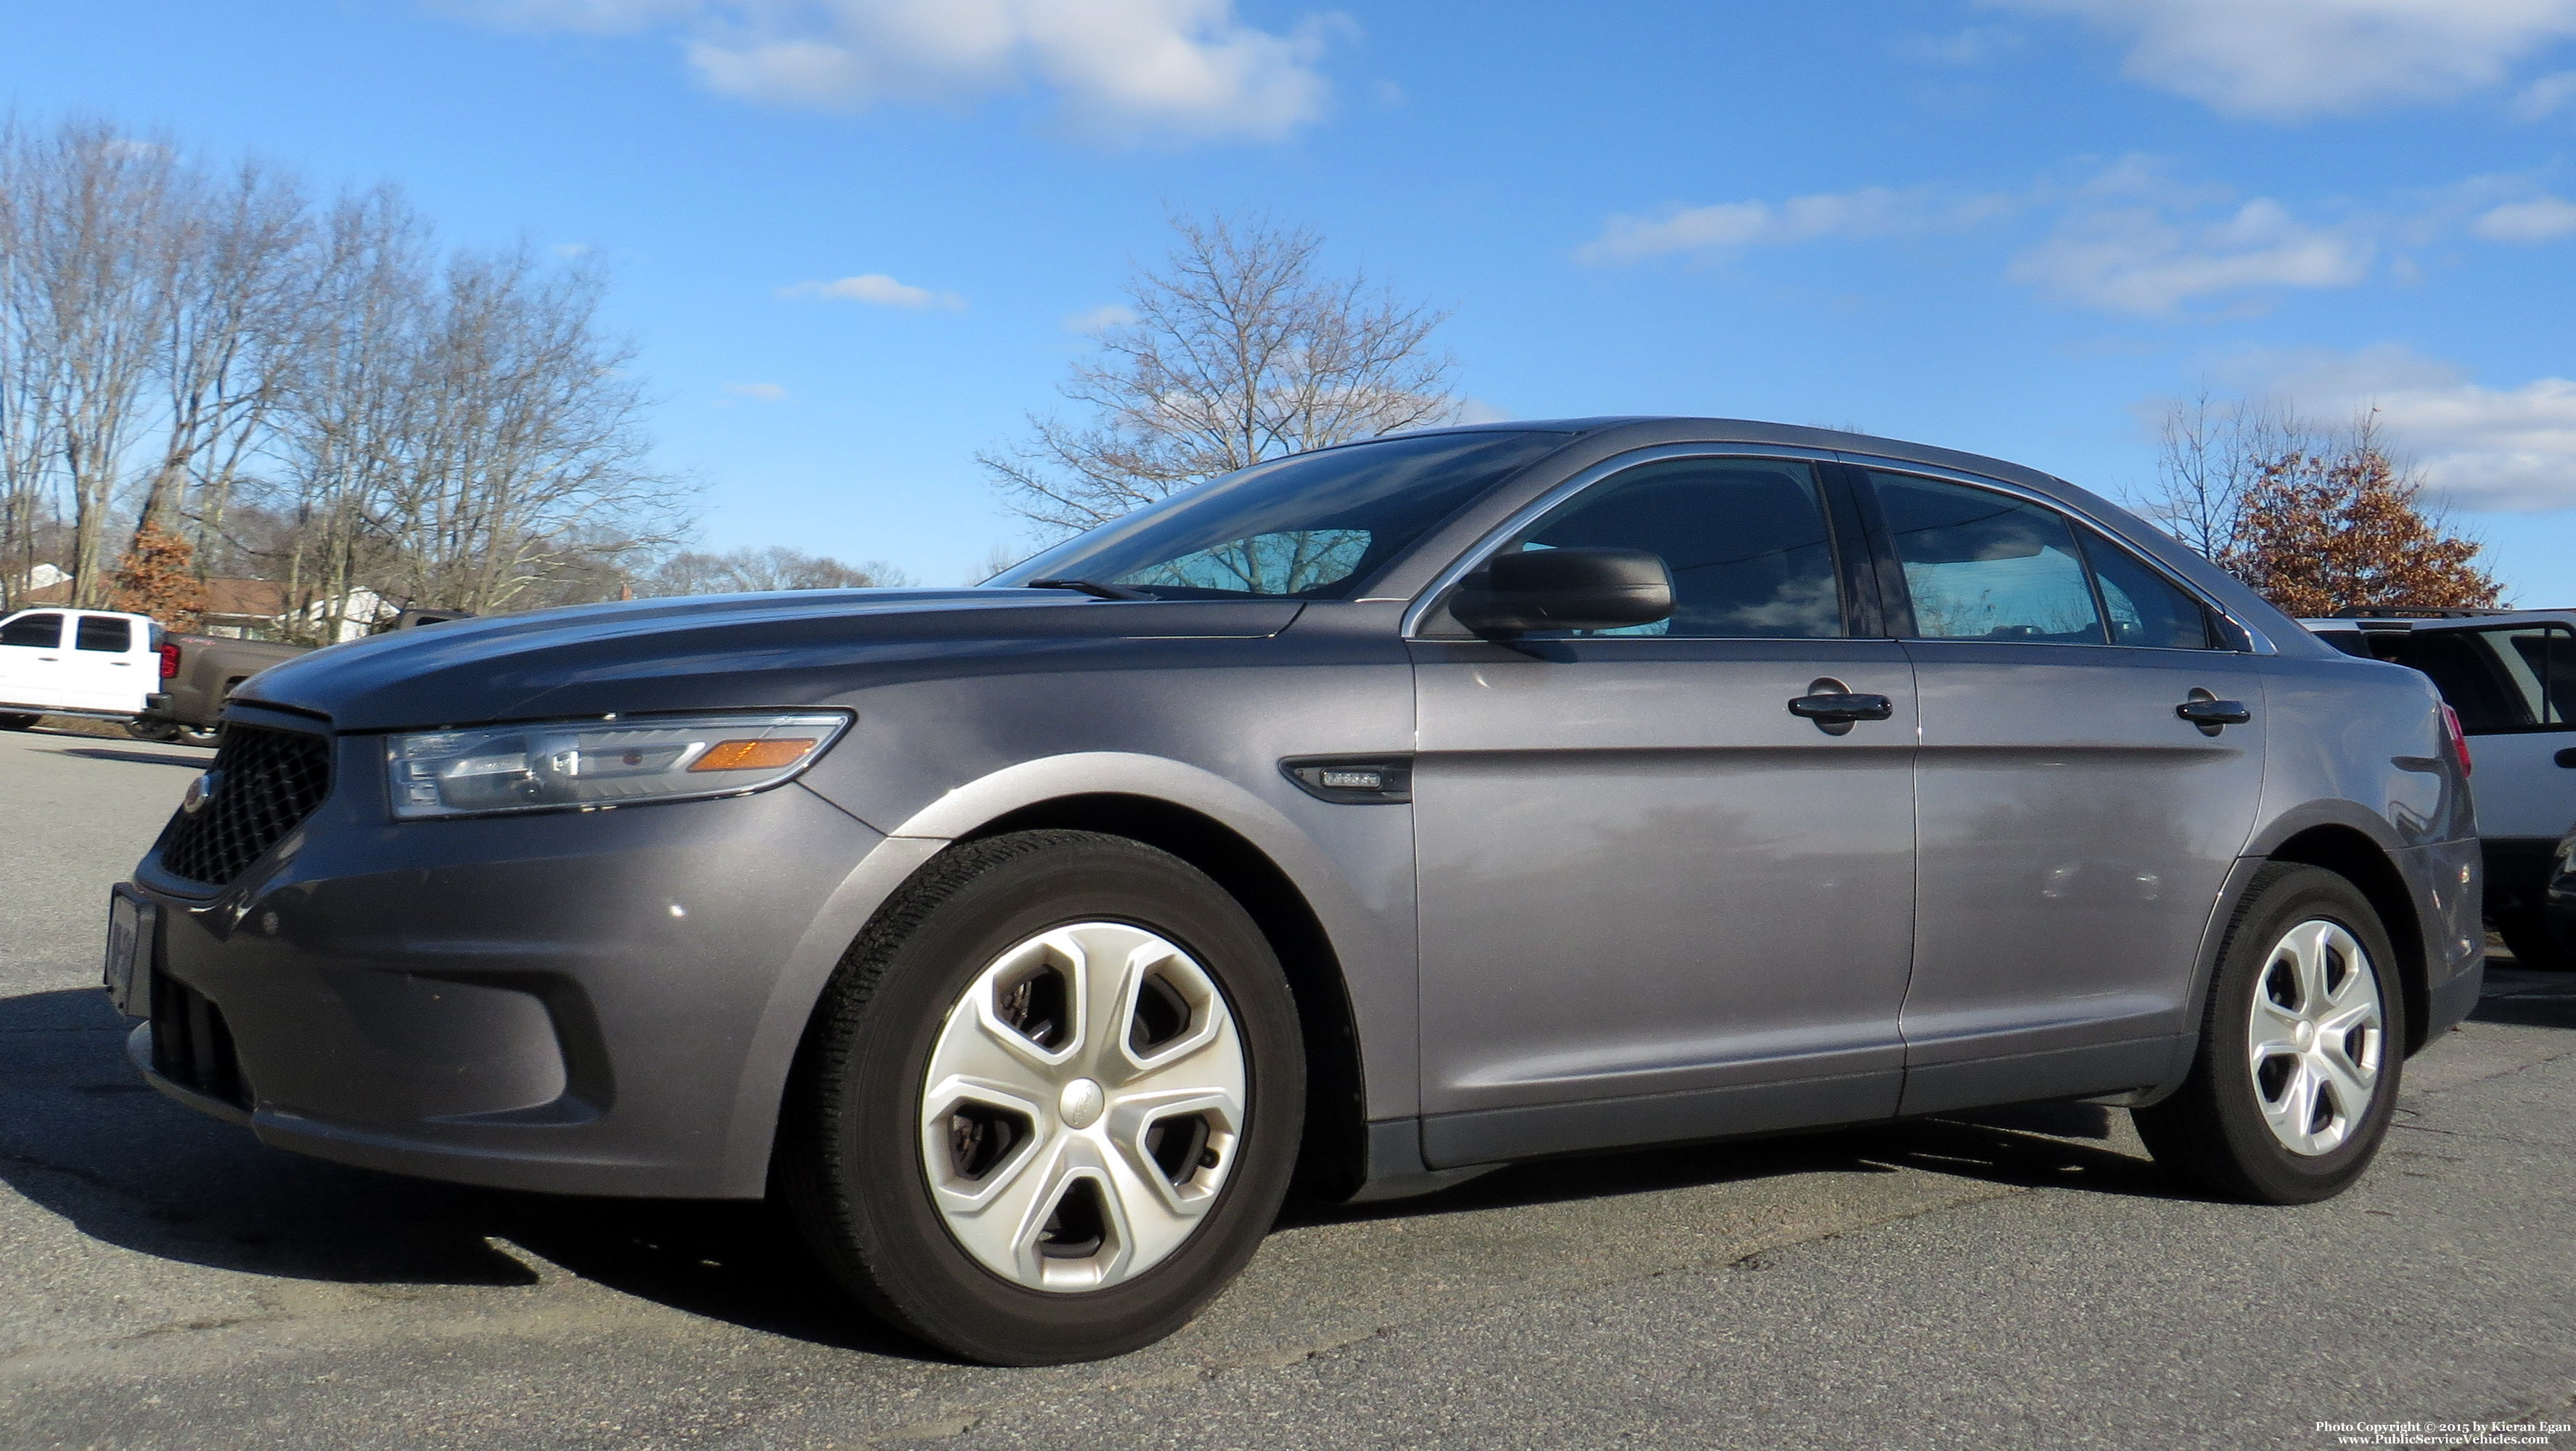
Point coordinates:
[(2541, 219), (2503, 449), (1175, 68), (1732, 226), (1974, 45), (877, 290), (758, 392), (2289, 60), (2141, 256), (1100, 319), (2545, 96)]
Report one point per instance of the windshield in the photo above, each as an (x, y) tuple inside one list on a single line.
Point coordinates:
[(1314, 526)]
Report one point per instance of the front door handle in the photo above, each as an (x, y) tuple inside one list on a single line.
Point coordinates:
[(2211, 714), (1833, 707)]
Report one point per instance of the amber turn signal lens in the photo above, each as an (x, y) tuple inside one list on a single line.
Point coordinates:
[(752, 755)]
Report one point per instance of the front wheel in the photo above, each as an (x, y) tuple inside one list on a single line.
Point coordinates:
[(13, 721), (1049, 1104), (2302, 1042)]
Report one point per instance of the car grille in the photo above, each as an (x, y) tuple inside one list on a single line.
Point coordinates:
[(266, 783)]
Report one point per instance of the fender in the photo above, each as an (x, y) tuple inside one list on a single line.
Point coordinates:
[(1383, 1002)]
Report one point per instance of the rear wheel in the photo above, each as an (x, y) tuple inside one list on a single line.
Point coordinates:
[(1050, 1102), (12, 721), (2301, 1046)]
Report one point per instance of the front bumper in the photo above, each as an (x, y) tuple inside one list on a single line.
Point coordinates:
[(597, 1002)]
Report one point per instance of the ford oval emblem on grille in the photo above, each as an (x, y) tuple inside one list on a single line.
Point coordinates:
[(201, 791)]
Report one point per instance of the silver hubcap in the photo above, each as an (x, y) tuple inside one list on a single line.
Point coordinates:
[(2314, 1041), (1082, 1107)]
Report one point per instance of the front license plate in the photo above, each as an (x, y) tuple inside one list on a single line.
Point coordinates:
[(130, 939)]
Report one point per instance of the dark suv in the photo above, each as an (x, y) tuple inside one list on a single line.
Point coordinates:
[(1372, 816)]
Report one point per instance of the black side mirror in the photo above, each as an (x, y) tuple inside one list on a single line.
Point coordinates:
[(1565, 589)]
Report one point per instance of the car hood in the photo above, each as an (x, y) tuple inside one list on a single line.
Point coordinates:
[(798, 648)]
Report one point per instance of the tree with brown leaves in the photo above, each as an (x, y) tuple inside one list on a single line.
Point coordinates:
[(2313, 522), (158, 577)]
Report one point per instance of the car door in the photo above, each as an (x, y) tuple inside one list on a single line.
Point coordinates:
[(104, 669), (31, 659), (2514, 687), (2074, 830), (1655, 904)]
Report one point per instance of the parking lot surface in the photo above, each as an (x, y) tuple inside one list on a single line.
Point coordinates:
[(2029, 1279)]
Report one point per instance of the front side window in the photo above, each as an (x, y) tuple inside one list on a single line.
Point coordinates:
[(1987, 566), (1313, 526), (41, 632), (103, 632), (2512, 678), (1744, 539)]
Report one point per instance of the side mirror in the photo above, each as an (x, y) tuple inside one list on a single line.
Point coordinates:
[(1565, 589)]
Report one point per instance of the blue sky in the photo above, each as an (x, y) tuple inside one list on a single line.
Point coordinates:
[(2009, 226)]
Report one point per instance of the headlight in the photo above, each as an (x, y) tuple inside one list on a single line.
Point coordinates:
[(550, 765)]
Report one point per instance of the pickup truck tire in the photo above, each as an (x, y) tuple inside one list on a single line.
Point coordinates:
[(1134, 1142), (16, 722), (2302, 1043), (2536, 944), (170, 733)]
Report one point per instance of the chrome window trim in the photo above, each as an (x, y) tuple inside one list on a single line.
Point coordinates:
[(1494, 538), (2262, 643)]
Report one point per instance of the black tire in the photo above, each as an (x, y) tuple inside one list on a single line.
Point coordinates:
[(2535, 944), (2211, 1133), (16, 722), (152, 730), (849, 1163)]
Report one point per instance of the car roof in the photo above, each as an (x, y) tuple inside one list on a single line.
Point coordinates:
[(2445, 620), (1655, 428)]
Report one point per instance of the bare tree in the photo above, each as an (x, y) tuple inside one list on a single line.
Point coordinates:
[(745, 571), (2312, 519), (90, 295), (1241, 349)]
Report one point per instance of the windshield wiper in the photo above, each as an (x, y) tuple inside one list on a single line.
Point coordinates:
[(1090, 587)]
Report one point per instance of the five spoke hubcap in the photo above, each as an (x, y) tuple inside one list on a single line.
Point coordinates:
[(1082, 1106), (2314, 1041)]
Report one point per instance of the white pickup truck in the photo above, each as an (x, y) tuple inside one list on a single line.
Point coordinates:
[(76, 662)]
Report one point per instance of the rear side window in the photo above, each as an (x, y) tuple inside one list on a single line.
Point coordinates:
[(1744, 539), (42, 632), (2144, 608), (1987, 566), (102, 632), (2511, 678)]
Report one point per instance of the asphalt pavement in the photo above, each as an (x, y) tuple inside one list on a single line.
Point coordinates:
[(2027, 1279)]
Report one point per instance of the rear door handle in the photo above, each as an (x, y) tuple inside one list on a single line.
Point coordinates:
[(2212, 715)]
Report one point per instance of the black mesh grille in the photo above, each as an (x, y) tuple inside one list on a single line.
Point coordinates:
[(265, 783)]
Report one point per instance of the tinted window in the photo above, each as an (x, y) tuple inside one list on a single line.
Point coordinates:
[(2516, 678), (2144, 607), (1745, 540), (1315, 526), (98, 632), (1986, 566), (44, 632)]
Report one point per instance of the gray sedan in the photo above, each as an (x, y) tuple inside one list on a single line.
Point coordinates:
[(1352, 824)]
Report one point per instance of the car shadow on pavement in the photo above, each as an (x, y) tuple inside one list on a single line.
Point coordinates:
[(84, 1139), (96, 753), (2024, 1145), (2526, 998)]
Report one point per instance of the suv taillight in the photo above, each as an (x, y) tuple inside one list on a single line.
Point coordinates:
[(2458, 738), (169, 662)]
